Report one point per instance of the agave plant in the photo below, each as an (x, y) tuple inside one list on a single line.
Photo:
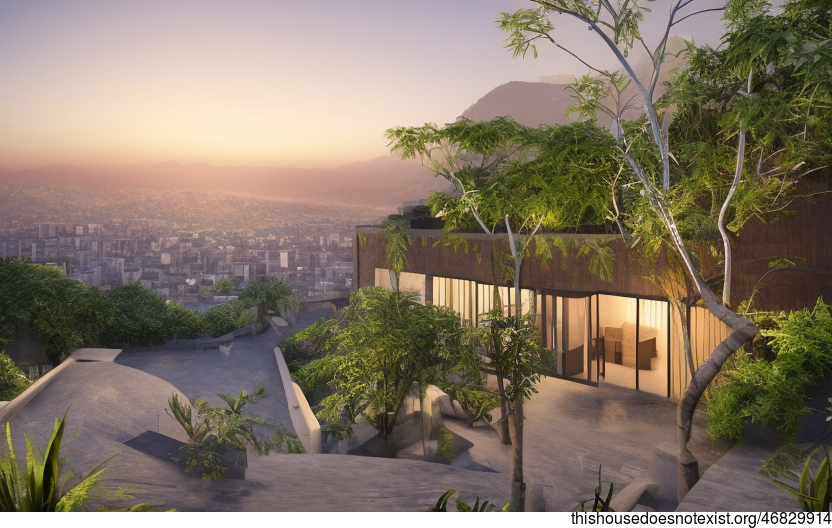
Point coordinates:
[(41, 488), (814, 485)]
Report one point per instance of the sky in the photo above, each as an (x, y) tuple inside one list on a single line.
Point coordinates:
[(253, 83)]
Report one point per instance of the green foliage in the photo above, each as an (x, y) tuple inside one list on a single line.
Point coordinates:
[(139, 318), (225, 318), (385, 343), (599, 503), (224, 286), (461, 506), (474, 398), (555, 177), (814, 483), (771, 393), (269, 293), (397, 242), (12, 381), (183, 323), (41, 300), (513, 350), (313, 342), (214, 432), (318, 374), (40, 490)]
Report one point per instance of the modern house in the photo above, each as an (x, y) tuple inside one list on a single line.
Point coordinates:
[(623, 332)]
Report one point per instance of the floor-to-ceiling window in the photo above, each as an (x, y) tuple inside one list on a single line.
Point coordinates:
[(607, 338), (412, 282), (458, 295)]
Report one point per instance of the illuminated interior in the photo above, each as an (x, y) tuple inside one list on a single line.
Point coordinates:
[(596, 338)]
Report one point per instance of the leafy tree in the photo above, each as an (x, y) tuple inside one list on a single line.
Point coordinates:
[(139, 317), (41, 300), (506, 176), (224, 286), (387, 342), (767, 87), (645, 143), (225, 318)]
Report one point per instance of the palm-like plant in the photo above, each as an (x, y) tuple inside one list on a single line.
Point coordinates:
[(215, 432)]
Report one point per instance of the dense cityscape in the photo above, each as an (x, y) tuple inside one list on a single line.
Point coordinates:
[(204, 237)]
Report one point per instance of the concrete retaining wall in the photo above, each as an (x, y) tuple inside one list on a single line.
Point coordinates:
[(303, 419), (11, 408)]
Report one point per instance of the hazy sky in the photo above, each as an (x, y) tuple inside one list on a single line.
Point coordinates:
[(278, 83)]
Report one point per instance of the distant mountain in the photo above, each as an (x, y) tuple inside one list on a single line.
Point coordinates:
[(384, 182), (529, 103), (545, 103)]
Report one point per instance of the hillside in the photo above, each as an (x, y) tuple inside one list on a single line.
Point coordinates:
[(383, 182)]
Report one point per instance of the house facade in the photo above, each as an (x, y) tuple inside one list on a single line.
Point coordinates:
[(621, 331)]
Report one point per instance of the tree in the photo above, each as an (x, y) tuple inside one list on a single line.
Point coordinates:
[(139, 317), (645, 143), (386, 342), (508, 176), (767, 87), (224, 286), (41, 300)]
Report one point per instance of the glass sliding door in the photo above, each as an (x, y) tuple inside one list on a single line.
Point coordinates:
[(617, 324), (566, 323)]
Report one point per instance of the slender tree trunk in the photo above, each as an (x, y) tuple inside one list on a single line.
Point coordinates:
[(518, 486), (743, 331), (726, 242), (504, 433)]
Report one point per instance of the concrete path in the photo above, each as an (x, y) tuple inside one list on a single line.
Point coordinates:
[(205, 372), (570, 430), (734, 484)]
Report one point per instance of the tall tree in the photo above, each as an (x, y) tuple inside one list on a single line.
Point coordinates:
[(514, 179), (646, 143)]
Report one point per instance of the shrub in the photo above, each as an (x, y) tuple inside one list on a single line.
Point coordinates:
[(41, 489), (11, 382), (269, 293), (183, 323), (41, 300), (139, 318), (772, 393), (213, 432), (225, 318), (315, 377), (313, 342)]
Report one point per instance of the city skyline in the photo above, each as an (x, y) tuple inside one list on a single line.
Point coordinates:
[(252, 84)]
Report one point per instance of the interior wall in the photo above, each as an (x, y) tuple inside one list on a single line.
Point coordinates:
[(653, 323), (615, 312)]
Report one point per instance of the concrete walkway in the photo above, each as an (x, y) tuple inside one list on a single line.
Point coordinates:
[(571, 430)]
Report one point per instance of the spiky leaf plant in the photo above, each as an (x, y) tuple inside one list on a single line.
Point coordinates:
[(41, 488)]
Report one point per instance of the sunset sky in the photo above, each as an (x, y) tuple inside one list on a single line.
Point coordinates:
[(251, 83)]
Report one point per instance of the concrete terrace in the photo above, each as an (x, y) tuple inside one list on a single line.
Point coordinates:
[(114, 397)]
